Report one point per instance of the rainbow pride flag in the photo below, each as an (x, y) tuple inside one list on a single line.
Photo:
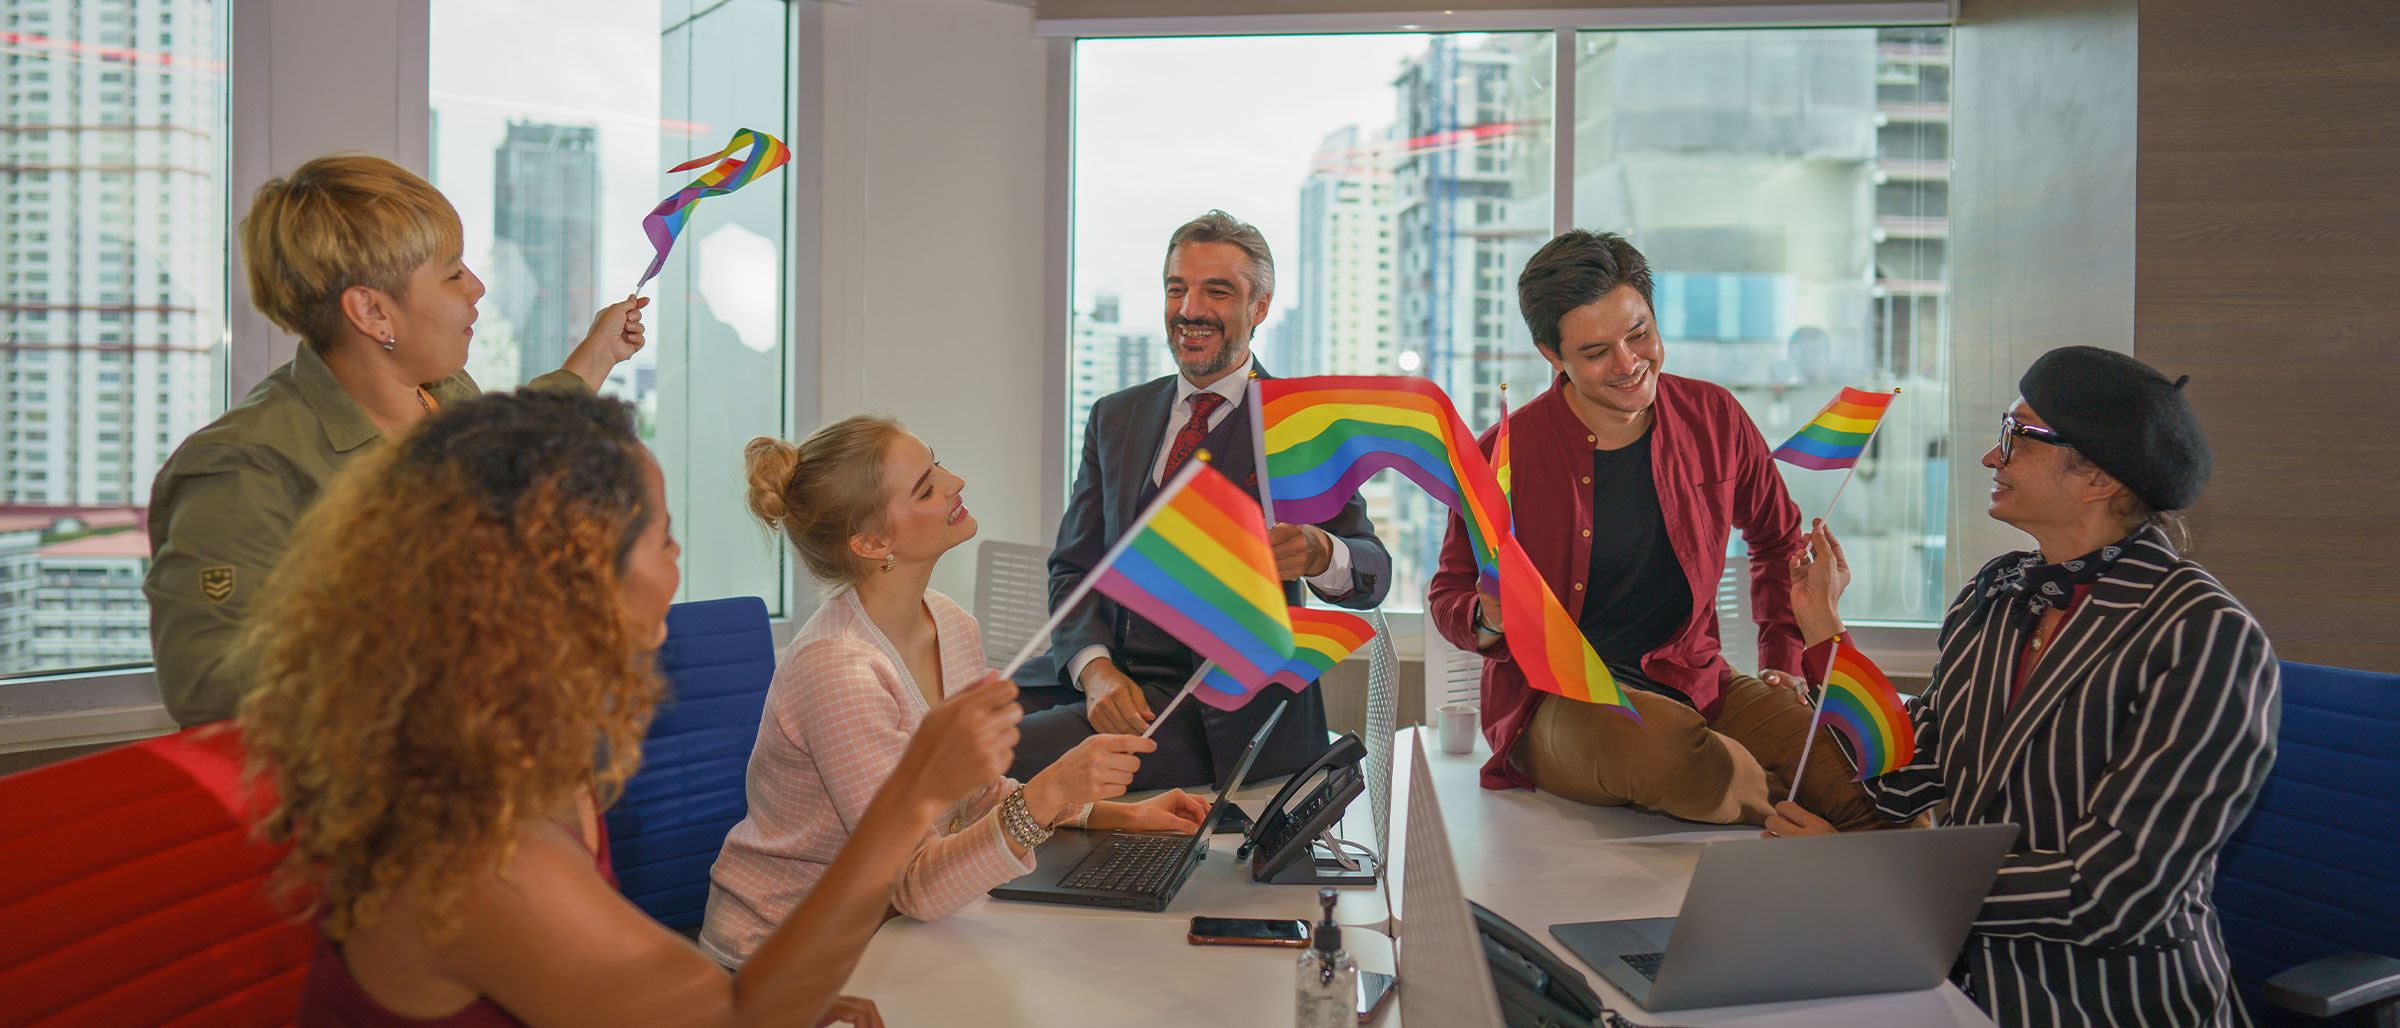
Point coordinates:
[(767, 153), (1325, 435), (1862, 706), (1197, 564), (1838, 435), (1320, 639)]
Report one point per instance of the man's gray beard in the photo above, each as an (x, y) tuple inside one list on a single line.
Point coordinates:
[(1214, 365)]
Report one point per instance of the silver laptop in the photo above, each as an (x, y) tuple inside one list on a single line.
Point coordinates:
[(1769, 920)]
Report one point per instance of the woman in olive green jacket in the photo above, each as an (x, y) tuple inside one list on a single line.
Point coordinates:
[(363, 261)]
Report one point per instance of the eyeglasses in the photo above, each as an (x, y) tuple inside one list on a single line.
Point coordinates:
[(2011, 428)]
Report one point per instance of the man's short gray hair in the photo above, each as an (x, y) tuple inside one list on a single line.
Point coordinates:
[(1220, 227)]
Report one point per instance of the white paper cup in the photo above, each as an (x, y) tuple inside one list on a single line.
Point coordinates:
[(1456, 724)]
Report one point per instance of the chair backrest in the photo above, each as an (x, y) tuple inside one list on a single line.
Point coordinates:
[(1452, 675), (1383, 717), (1012, 596), (2315, 870), (1736, 633), (133, 892), (663, 836)]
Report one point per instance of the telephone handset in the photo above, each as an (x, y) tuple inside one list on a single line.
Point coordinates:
[(1286, 828)]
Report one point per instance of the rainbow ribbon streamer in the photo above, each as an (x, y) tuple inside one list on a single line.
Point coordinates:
[(767, 153), (1325, 435), (1861, 705), (1197, 564), (1320, 639), (1838, 435)]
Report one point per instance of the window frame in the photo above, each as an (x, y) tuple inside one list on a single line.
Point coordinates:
[(107, 705), (1904, 649)]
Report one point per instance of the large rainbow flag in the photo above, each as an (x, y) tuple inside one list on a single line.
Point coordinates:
[(1197, 564), (666, 220), (1838, 435), (1320, 639), (1862, 706), (1325, 435)]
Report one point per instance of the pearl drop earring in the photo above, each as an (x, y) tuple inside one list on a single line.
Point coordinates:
[(388, 343)]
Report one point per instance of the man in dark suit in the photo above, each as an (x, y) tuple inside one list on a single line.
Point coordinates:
[(1117, 669)]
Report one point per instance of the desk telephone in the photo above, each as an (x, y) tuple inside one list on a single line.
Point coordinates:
[(1282, 846)]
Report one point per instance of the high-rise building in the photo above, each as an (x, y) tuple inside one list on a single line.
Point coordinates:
[(1342, 276), (545, 212), (1109, 355), (1458, 216), (113, 257)]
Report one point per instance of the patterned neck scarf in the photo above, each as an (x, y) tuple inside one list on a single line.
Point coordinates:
[(2034, 587)]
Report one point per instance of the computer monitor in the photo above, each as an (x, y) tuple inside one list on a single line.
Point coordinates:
[(1444, 979)]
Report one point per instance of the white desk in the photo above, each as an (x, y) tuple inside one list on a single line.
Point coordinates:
[(1535, 859), (1539, 860), (999, 962)]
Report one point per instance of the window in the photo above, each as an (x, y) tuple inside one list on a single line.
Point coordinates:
[(1347, 146), (553, 165), (70, 518), (1789, 187)]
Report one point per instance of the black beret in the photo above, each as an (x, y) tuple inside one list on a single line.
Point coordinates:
[(2129, 419)]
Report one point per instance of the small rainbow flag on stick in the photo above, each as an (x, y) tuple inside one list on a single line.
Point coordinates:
[(1838, 435), (1325, 435), (767, 153), (1197, 564), (1861, 705), (1320, 639)]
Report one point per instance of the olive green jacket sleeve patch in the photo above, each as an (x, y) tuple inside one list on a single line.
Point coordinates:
[(216, 584)]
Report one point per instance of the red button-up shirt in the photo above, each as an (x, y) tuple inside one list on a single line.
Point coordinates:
[(1713, 475)]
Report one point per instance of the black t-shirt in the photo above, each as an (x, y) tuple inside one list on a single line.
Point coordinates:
[(1639, 596)]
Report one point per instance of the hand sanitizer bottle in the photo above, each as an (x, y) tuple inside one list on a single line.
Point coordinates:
[(1328, 996)]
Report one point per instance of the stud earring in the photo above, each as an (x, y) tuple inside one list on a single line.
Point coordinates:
[(388, 342), (887, 563)]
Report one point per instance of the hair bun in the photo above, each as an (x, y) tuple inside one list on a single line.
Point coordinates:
[(769, 462)]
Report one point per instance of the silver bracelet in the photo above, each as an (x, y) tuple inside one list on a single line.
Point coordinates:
[(1019, 823)]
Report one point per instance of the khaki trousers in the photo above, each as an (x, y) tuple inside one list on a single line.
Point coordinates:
[(1731, 770)]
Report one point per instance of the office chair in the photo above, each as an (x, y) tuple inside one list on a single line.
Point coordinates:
[(2308, 888), (665, 832), (134, 892)]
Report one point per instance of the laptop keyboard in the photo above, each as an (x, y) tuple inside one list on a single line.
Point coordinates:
[(1646, 963), (1131, 863)]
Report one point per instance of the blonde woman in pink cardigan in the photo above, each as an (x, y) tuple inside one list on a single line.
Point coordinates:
[(870, 511)]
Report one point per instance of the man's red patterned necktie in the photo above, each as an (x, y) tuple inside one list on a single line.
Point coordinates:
[(1188, 440)]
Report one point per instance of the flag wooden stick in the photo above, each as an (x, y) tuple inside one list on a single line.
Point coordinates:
[(1800, 770), (1862, 455), (1082, 588), (1258, 448), (1188, 685)]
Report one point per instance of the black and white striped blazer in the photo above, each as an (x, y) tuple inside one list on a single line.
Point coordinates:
[(2137, 746)]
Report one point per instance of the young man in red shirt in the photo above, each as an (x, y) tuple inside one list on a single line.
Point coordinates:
[(1626, 483)]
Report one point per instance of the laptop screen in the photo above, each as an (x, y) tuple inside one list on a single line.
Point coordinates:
[(1241, 770)]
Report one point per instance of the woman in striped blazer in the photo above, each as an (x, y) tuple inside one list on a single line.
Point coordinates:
[(2102, 691)]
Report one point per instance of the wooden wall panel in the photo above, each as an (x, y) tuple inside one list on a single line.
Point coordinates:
[(2268, 236)]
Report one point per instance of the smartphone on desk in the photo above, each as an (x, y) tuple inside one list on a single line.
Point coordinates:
[(1249, 931)]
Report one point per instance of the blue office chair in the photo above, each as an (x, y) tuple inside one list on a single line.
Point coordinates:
[(664, 834), (2308, 889)]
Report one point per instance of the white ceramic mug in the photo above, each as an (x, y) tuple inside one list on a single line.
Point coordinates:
[(1457, 726)]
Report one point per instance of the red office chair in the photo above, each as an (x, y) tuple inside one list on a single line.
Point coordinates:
[(134, 894)]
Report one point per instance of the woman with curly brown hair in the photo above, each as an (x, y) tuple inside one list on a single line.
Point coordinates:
[(460, 625)]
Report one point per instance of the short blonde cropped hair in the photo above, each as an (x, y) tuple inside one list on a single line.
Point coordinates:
[(338, 221)]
